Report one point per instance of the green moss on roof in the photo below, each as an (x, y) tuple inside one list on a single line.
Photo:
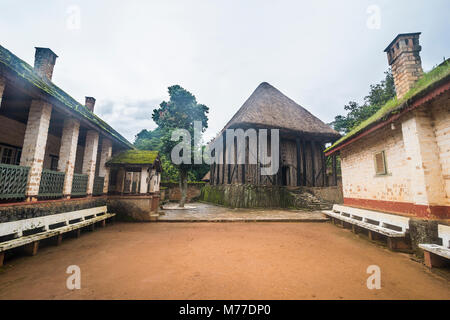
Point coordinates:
[(25, 71), (134, 157), (396, 105)]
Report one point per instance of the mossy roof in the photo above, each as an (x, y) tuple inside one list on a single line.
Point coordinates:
[(26, 72), (134, 157), (429, 81)]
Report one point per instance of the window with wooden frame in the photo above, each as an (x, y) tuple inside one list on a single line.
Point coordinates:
[(380, 163)]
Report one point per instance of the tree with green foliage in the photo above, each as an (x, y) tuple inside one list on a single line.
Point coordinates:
[(379, 94), (180, 112)]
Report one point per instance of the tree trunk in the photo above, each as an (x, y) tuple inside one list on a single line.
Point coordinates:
[(183, 187)]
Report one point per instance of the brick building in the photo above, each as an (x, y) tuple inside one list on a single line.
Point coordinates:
[(398, 160), (53, 154)]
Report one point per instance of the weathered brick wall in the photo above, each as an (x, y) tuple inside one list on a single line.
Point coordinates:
[(441, 118), (358, 168), (418, 163)]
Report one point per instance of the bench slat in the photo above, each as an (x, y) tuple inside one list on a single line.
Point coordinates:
[(436, 249), (14, 243), (391, 219), (18, 227), (365, 225)]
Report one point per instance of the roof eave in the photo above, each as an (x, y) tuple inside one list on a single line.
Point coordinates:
[(414, 102)]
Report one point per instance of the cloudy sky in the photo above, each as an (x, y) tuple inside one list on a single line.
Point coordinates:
[(126, 53)]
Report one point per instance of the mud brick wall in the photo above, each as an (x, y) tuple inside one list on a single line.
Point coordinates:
[(20, 211)]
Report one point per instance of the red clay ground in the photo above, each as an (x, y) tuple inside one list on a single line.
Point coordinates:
[(219, 261)]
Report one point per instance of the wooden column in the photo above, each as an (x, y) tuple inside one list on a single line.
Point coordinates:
[(324, 166), (334, 165), (303, 162), (313, 164), (258, 175), (224, 158), (299, 176), (212, 169)]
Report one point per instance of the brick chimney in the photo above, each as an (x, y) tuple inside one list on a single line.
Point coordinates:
[(90, 103), (404, 58), (44, 62)]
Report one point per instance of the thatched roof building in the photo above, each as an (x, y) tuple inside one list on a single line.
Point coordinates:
[(302, 141), (267, 107)]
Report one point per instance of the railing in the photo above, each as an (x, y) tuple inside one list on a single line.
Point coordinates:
[(98, 186), (52, 183), (79, 184), (13, 181)]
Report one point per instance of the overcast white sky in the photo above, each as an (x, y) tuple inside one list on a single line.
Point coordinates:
[(126, 53)]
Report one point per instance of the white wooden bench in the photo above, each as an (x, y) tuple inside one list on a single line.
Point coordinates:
[(394, 227), (438, 255), (29, 232)]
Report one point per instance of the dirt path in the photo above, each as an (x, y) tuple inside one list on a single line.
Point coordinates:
[(219, 261)]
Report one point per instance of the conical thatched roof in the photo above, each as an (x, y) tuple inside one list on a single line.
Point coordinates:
[(268, 107)]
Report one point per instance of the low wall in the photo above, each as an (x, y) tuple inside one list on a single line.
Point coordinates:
[(172, 193), (252, 196), (329, 194), (27, 210), (134, 208)]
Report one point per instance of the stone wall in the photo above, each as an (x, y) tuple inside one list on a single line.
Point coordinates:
[(441, 119), (253, 196), (172, 193), (18, 211), (134, 208)]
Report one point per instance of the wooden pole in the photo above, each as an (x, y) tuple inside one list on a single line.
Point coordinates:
[(324, 166), (299, 176), (223, 159), (304, 162), (313, 160), (334, 165)]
